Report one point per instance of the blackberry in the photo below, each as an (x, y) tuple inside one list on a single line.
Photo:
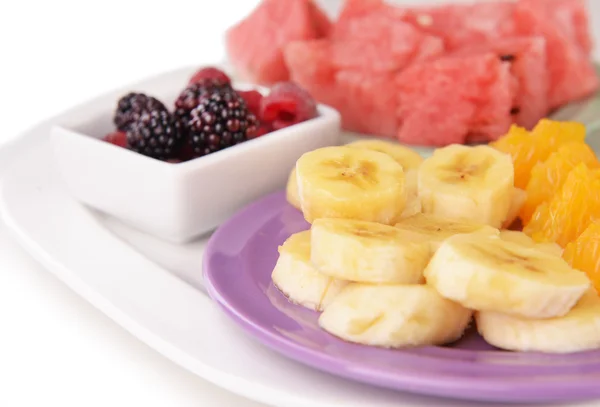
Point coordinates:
[(221, 120), (131, 106), (155, 134), (191, 96)]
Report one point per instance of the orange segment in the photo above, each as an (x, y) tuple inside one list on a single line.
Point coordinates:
[(584, 253), (556, 133), (520, 145), (527, 149), (566, 215), (547, 177)]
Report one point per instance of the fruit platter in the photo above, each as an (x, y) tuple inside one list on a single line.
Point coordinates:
[(399, 200), (396, 248)]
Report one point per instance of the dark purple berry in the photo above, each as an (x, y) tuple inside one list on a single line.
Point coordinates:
[(155, 134), (220, 120), (131, 106), (191, 96)]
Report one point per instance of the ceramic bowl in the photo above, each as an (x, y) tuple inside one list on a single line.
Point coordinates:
[(177, 202)]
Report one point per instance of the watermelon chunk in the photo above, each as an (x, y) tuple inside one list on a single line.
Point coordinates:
[(464, 24), (396, 46), (366, 101), (527, 58), (572, 75), (255, 45), (354, 9), (369, 102), (454, 100), (571, 17), (310, 66)]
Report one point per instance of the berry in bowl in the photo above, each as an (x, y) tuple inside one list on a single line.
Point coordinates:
[(185, 150)]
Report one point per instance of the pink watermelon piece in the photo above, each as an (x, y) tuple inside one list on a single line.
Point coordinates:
[(310, 60), (385, 45), (309, 64), (366, 101), (464, 24), (572, 75), (369, 102), (527, 58), (571, 17), (368, 36), (454, 100), (255, 45), (353, 9)]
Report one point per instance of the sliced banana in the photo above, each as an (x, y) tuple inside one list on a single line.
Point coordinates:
[(367, 252), (462, 182), (291, 191), (577, 331), (298, 280), (407, 158), (413, 202), (350, 183), (394, 316), (486, 273), (524, 240), (436, 229), (516, 203)]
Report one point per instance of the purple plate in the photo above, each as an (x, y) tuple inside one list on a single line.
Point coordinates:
[(238, 262)]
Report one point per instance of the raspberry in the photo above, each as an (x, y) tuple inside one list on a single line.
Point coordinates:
[(131, 106), (118, 138), (221, 120), (210, 72), (253, 100), (155, 134), (287, 104)]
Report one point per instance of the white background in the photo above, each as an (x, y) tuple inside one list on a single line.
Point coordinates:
[(55, 349)]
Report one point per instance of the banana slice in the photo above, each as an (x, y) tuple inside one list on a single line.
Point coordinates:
[(461, 182), (394, 316), (486, 273), (516, 203), (577, 331), (367, 252), (410, 161), (350, 183), (407, 158), (291, 191), (413, 202), (524, 240), (436, 230), (298, 280)]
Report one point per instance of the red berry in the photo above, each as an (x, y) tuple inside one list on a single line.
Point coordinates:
[(253, 100), (286, 105), (263, 129), (210, 72), (118, 138)]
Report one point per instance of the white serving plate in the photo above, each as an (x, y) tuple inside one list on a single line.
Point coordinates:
[(153, 289)]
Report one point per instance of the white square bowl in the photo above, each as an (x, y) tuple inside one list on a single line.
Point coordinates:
[(177, 202)]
